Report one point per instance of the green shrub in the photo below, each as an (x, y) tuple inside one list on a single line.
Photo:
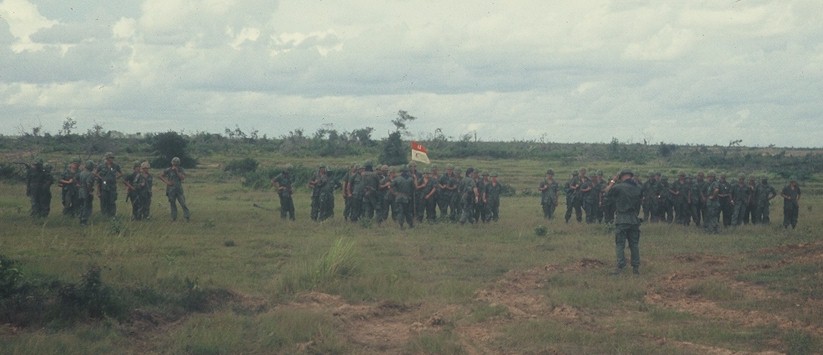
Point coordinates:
[(241, 166)]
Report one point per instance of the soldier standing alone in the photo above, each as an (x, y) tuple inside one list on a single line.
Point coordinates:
[(626, 196), (174, 177)]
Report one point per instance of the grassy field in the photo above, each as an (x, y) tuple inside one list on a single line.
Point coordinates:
[(237, 279)]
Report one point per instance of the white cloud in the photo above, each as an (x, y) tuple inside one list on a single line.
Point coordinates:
[(567, 71), (24, 20)]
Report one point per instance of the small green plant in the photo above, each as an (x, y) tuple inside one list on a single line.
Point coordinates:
[(229, 243), (541, 231)]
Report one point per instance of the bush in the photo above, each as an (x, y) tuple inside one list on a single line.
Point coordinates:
[(241, 166)]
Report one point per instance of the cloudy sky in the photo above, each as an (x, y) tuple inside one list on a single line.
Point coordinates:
[(703, 72)]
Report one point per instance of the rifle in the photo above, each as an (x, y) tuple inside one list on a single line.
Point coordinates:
[(262, 208)]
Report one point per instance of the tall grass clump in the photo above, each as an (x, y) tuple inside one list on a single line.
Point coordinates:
[(338, 262)]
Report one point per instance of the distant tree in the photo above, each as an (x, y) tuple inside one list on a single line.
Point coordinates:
[(400, 122), (394, 151), (169, 145), (363, 136), (69, 124)]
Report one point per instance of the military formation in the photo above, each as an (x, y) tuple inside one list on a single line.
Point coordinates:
[(705, 200), (409, 196), (405, 195), (80, 183)]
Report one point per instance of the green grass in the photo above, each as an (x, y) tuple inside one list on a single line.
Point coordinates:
[(227, 281)]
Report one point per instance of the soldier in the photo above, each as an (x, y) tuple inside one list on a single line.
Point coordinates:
[(679, 192), (752, 206), (315, 184), (456, 205), (446, 188), (595, 199), (142, 184), (108, 173), (35, 177), (283, 184), (741, 195), (371, 182), (85, 191), (649, 201), (173, 177), (481, 206), (131, 191), (665, 206), (584, 192), (725, 198), (469, 196), (710, 197), (493, 191), (626, 195), (68, 186), (572, 196), (45, 190), (548, 194), (697, 204), (347, 191), (358, 189), (403, 187), (326, 184), (764, 193), (427, 187), (454, 197), (384, 193), (791, 203)]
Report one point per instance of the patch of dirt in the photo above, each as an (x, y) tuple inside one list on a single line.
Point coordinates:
[(673, 291)]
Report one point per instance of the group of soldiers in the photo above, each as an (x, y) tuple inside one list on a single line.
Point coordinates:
[(78, 188), (405, 194), (702, 199)]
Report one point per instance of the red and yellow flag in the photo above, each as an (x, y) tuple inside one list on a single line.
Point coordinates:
[(419, 153)]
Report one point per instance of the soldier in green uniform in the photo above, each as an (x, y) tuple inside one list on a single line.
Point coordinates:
[(741, 195), (791, 203), (358, 188), (710, 197), (371, 182), (679, 192), (45, 190), (35, 178), (696, 202), (403, 187), (68, 187), (427, 187), (173, 177), (108, 173), (648, 198), (454, 197), (571, 189), (493, 191), (326, 184), (752, 206), (469, 195), (85, 191), (131, 194), (315, 184), (283, 185), (481, 206), (665, 205), (347, 191), (626, 196), (764, 193), (446, 187), (548, 194), (584, 193), (725, 198), (384, 193), (142, 184)]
